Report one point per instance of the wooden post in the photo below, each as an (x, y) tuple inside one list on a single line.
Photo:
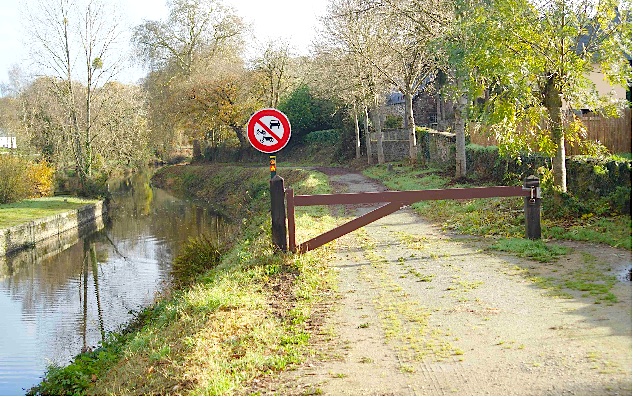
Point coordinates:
[(278, 213), (532, 208), (290, 201)]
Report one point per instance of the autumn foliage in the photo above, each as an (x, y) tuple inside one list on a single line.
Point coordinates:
[(22, 178)]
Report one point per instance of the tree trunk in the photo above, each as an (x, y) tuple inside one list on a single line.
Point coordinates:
[(367, 133), (438, 111), (460, 134), (72, 110), (554, 104), (240, 136), (378, 129), (356, 130), (410, 125), (88, 132)]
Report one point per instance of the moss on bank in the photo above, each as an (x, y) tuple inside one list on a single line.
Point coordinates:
[(249, 316)]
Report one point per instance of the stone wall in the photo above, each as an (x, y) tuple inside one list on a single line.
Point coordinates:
[(435, 147), (29, 234), (438, 148)]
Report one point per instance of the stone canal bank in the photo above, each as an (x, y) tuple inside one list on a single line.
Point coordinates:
[(28, 234)]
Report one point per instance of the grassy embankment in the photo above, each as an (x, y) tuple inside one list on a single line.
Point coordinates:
[(31, 209), (242, 318)]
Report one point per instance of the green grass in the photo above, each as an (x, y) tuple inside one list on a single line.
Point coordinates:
[(498, 216), (32, 209), (614, 231), (537, 250)]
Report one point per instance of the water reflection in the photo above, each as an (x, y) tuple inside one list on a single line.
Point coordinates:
[(55, 306)]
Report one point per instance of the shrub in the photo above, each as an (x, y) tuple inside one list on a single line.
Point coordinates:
[(199, 255), (595, 185), (23, 179), (392, 121), (41, 176), (620, 200), (14, 185), (328, 137)]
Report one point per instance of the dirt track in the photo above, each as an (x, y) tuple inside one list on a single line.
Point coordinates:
[(424, 313)]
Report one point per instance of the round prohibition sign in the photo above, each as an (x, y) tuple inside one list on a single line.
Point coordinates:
[(268, 130)]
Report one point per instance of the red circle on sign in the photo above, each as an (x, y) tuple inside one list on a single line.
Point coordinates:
[(268, 130)]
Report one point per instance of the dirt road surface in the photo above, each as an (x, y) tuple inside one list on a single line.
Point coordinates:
[(421, 312)]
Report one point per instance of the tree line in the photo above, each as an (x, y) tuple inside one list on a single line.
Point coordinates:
[(512, 65)]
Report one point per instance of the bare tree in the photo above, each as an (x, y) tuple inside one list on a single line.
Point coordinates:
[(351, 32), (405, 30), (335, 76), (391, 41), (78, 43), (193, 29), (275, 69)]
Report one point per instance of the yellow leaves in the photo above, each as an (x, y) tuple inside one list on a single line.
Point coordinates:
[(22, 179), (41, 177)]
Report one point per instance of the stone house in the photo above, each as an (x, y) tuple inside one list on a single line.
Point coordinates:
[(429, 110)]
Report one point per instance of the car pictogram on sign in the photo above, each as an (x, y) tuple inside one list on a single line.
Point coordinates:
[(268, 130)]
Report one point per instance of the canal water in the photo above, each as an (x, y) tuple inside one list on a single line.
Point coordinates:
[(57, 301)]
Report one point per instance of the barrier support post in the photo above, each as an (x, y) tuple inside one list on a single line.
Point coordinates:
[(532, 208), (290, 202), (278, 213)]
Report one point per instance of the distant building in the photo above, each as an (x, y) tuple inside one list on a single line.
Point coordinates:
[(429, 110), (7, 141)]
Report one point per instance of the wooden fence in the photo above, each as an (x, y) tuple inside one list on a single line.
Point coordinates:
[(613, 133)]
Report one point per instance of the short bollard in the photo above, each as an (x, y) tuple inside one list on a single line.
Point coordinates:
[(278, 213), (532, 208)]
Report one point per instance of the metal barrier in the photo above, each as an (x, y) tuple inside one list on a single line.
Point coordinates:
[(395, 201)]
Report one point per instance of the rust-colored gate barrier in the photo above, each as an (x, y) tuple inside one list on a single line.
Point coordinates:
[(397, 200)]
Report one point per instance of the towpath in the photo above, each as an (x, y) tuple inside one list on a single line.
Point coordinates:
[(421, 312)]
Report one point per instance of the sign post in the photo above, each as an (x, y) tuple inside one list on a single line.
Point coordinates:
[(268, 131)]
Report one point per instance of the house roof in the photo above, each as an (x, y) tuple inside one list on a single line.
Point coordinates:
[(395, 98), (584, 40)]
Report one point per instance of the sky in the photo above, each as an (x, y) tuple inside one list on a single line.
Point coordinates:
[(293, 21)]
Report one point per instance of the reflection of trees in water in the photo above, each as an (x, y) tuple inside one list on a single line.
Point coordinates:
[(90, 265), (170, 223), (113, 271), (169, 219)]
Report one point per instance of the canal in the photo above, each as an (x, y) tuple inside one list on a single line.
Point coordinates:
[(59, 301)]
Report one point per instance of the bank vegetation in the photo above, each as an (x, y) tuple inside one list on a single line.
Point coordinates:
[(238, 311)]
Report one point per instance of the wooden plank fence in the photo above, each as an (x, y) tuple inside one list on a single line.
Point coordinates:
[(613, 133)]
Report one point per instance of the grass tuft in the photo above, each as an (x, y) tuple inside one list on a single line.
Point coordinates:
[(537, 250)]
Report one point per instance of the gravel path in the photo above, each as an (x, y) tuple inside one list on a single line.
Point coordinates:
[(425, 313)]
